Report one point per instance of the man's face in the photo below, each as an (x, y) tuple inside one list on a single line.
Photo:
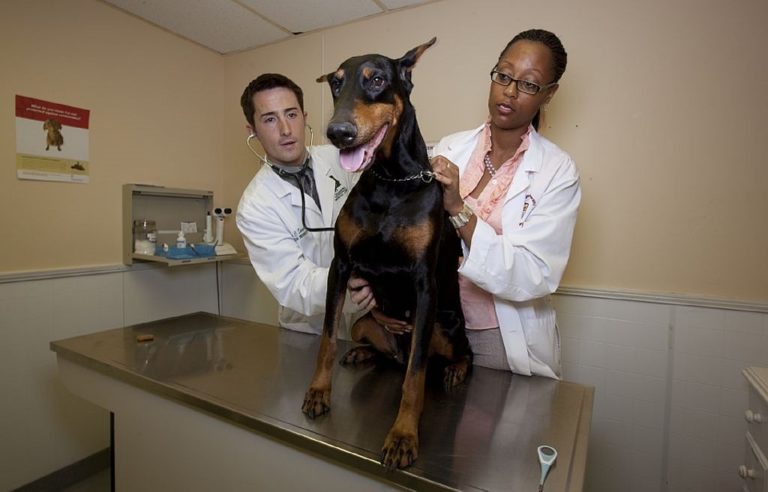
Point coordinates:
[(279, 125)]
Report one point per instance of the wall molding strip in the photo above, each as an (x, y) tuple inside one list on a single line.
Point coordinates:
[(673, 299), (32, 275), (619, 295)]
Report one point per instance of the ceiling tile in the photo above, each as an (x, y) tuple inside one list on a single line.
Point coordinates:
[(396, 4), (222, 25), (302, 15)]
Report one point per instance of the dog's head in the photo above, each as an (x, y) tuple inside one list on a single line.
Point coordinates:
[(370, 93), (51, 126)]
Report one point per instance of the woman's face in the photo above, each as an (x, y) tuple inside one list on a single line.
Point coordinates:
[(524, 60)]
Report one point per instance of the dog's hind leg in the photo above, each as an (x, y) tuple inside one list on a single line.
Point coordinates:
[(375, 339), (459, 356), (317, 399)]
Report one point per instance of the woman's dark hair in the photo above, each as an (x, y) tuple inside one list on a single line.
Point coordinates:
[(551, 41), (265, 82)]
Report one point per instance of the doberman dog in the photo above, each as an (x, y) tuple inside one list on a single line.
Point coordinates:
[(393, 232)]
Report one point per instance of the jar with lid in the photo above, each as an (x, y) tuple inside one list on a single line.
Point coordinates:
[(144, 236)]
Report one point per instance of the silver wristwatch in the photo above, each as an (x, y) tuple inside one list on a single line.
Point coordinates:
[(462, 218)]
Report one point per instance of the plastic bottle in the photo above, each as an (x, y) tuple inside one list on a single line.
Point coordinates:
[(145, 236), (181, 241)]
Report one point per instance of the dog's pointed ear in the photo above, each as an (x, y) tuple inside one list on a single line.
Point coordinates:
[(409, 60), (323, 78)]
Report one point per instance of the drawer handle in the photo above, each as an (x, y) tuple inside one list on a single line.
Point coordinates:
[(745, 472), (753, 417)]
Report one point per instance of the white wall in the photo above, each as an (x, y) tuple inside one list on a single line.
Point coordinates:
[(43, 426), (669, 394)]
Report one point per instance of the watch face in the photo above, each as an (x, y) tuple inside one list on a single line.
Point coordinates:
[(462, 218)]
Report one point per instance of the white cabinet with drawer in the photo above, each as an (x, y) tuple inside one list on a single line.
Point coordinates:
[(753, 471)]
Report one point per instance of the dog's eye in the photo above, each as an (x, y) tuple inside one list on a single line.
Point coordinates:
[(377, 82), (335, 86)]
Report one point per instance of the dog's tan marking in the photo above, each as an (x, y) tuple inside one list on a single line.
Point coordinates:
[(401, 446), (368, 330), (367, 72), (415, 239), (412, 402), (349, 232), (389, 138), (369, 118), (439, 343)]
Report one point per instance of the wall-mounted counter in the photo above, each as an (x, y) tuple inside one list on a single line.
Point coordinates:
[(214, 403), (168, 208)]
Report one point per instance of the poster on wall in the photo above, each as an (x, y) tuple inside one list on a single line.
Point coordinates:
[(51, 141)]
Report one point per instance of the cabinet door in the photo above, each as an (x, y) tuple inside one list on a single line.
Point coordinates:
[(757, 419), (753, 471)]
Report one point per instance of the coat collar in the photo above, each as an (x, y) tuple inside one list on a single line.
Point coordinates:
[(532, 159), (323, 181)]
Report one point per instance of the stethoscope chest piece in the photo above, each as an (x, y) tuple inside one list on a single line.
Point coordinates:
[(547, 457)]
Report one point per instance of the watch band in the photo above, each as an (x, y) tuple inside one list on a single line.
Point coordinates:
[(462, 218)]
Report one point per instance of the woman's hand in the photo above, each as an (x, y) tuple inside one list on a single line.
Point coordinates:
[(447, 173), (361, 294), (392, 325)]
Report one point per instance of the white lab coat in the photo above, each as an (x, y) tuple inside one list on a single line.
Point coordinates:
[(524, 265), (291, 261)]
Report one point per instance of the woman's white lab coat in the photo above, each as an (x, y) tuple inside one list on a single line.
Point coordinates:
[(291, 261), (524, 264)]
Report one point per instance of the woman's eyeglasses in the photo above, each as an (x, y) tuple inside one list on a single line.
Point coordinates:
[(522, 85)]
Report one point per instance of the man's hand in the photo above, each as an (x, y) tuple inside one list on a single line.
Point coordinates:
[(360, 292)]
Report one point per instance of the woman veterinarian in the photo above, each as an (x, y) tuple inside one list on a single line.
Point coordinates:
[(512, 196)]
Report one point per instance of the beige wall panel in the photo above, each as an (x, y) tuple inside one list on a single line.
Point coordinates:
[(155, 103), (299, 59), (662, 107)]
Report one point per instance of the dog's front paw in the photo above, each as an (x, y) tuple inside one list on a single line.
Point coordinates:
[(316, 402), (400, 449)]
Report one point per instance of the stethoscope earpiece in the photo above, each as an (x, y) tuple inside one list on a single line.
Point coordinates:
[(262, 158)]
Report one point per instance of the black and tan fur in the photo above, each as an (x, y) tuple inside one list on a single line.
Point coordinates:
[(396, 235)]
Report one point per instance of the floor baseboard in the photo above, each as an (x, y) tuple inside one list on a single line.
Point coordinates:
[(70, 474)]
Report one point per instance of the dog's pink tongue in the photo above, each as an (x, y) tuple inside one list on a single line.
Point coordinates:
[(352, 159)]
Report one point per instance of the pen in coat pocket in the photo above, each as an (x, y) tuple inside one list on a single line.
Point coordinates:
[(528, 205)]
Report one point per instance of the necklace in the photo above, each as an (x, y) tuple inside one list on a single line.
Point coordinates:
[(488, 165)]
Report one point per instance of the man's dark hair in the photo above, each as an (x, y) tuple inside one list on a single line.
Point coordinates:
[(265, 82)]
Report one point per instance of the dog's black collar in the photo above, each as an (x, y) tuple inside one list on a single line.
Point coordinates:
[(426, 176)]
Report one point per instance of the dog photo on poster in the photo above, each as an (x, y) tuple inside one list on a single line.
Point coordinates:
[(51, 141)]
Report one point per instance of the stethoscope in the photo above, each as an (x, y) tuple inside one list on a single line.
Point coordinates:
[(295, 176)]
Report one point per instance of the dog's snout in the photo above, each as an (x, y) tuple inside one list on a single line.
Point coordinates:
[(341, 134)]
